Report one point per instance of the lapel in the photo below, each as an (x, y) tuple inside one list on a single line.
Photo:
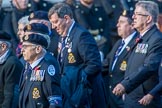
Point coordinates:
[(30, 83), (69, 40), (148, 34), (113, 53), (22, 78), (124, 53), (128, 48), (58, 49)]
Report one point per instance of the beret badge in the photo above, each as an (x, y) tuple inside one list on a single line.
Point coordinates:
[(124, 13)]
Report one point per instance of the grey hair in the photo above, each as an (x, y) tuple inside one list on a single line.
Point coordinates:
[(61, 9), (151, 7), (24, 20)]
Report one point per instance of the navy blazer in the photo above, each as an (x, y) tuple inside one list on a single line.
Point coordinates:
[(117, 74), (34, 94), (142, 72), (10, 71), (80, 58)]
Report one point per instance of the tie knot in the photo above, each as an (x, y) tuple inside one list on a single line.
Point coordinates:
[(123, 42)]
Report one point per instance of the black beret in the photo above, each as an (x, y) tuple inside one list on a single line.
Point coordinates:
[(36, 39), (127, 13), (37, 28), (4, 36), (41, 15)]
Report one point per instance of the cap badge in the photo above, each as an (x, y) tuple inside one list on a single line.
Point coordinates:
[(124, 13)]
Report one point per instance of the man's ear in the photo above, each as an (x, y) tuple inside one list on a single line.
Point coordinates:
[(149, 19), (38, 49), (3, 46), (66, 17)]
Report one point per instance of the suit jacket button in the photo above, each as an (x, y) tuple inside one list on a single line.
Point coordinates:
[(111, 75), (110, 87), (126, 78)]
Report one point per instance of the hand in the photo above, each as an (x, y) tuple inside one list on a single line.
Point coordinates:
[(146, 99), (119, 90)]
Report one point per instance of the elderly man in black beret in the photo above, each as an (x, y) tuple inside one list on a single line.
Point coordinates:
[(39, 85), (10, 70)]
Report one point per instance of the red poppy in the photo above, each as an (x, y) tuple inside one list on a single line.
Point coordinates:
[(37, 68), (138, 40)]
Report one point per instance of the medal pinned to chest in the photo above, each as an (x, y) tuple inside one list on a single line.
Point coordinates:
[(141, 48), (71, 57), (37, 74)]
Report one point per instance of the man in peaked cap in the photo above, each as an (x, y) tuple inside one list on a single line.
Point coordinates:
[(39, 85), (10, 70), (42, 17), (118, 57)]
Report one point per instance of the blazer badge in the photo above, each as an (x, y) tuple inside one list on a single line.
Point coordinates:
[(71, 58), (36, 93), (123, 66)]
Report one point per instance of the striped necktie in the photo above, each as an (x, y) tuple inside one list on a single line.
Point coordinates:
[(117, 53)]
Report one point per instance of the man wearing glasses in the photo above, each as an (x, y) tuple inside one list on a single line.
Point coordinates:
[(142, 71), (39, 85)]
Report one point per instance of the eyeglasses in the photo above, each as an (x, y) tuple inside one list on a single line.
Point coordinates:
[(25, 46), (140, 14)]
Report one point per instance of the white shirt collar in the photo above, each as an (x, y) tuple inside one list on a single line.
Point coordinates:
[(145, 31), (73, 22), (126, 40), (35, 63), (4, 55)]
